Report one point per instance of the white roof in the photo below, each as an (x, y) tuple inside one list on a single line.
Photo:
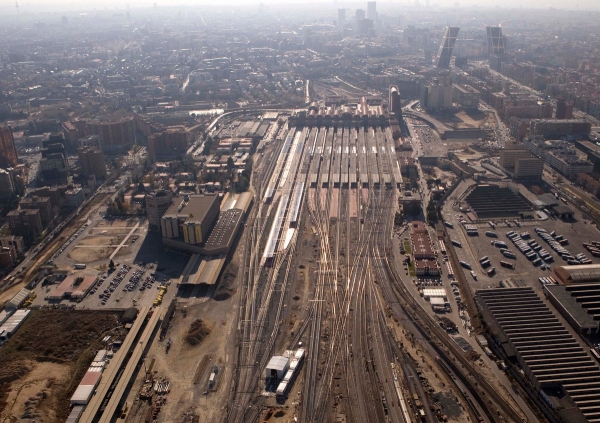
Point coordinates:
[(4, 315), (277, 362), (19, 298), (434, 292), (82, 394), (436, 301)]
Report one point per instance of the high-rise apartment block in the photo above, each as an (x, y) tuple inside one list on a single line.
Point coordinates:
[(157, 203), (8, 151), (43, 204), (115, 134), (446, 46), (530, 168), (168, 144), (92, 161), (511, 153), (395, 105), (26, 223), (54, 166), (7, 185)]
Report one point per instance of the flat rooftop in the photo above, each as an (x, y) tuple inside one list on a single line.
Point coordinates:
[(195, 207), (224, 231)]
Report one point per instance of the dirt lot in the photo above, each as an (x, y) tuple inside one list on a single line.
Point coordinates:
[(89, 255), (41, 365), (465, 119), (104, 240)]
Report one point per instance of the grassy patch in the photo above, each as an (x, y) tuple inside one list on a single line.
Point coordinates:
[(411, 269), (407, 247)]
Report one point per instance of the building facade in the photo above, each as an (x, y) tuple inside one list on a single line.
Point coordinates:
[(26, 223), (467, 96), (529, 168), (92, 161), (43, 204), (157, 203), (115, 135), (8, 151), (447, 45), (7, 185)]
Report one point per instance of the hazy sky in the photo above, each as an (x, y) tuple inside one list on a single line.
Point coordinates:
[(57, 5)]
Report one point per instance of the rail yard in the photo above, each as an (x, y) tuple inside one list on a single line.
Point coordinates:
[(328, 201)]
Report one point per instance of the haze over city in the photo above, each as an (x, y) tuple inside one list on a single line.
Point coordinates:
[(299, 212)]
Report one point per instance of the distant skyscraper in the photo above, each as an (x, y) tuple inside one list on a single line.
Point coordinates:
[(495, 40), (394, 101), (445, 52), (561, 108), (341, 17), (360, 15), (372, 10), (8, 152)]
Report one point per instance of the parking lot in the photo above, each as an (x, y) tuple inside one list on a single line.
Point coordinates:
[(534, 248), (126, 286)]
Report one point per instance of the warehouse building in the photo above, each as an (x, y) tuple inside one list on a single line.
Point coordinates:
[(579, 304), (582, 273), (527, 332), (494, 201), (188, 220), (12, 324)]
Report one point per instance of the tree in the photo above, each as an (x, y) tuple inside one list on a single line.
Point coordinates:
[(111, 265)]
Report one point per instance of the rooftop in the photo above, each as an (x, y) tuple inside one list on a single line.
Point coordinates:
[(193, 207)]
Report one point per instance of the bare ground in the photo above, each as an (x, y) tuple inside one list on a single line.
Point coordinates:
[(42, 364)]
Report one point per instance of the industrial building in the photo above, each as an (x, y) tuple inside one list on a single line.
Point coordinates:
[(12, 324), (578, 304), (201, 270), (494, 201), (578, 273), (18, 300), (527, 332), (188, 220), (195, 224)]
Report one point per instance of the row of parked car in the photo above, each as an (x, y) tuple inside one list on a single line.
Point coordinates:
[(115, 283), (556, 242), (530, 249)]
